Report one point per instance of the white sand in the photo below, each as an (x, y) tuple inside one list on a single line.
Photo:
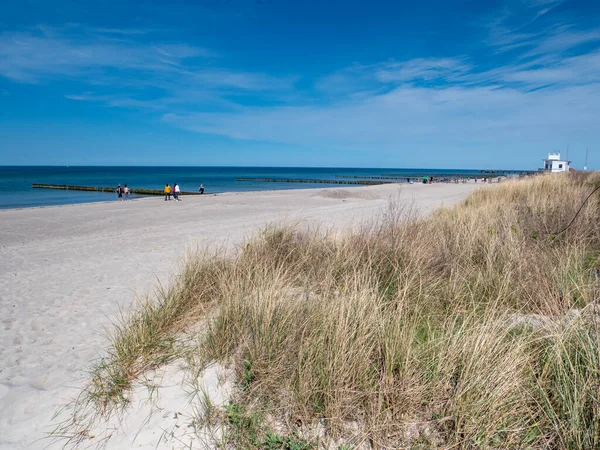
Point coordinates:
[(65, 272)]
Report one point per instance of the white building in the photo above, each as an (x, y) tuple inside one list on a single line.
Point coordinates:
[(555, 164)]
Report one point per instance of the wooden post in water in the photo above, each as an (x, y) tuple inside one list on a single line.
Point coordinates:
[(104, 189)]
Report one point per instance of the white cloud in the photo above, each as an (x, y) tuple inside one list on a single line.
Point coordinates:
[(542, 7), (118, 101), (582, 69), (32, 57), (120, 31), (371, 79), (94, 56), (422, 69), (410, 115)]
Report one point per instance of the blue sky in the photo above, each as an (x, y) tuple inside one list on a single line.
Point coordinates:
[(448, 84)]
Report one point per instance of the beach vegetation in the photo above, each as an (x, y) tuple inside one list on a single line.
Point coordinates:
[(476, 326)]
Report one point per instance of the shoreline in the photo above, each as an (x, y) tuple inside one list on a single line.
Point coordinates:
[(65, 273), (213, 194)]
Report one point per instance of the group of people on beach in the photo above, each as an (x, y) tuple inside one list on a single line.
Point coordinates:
[(175, 190), (168, 191), (122, 191)]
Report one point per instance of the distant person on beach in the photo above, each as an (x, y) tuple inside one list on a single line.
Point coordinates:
[(424, 179), (430, 180), (119, 192), (126, 190), (167, 192), (201, 188), (176, 191)]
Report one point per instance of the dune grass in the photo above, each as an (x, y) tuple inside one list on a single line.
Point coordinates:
[(474, 327)]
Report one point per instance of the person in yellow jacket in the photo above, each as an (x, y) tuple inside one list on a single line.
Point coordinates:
[(167, 192)]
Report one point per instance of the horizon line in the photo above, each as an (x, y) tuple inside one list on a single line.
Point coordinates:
[(256, 167)]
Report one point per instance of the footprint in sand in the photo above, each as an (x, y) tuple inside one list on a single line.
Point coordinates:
[(39, 383), (3, 390), (8, 324)]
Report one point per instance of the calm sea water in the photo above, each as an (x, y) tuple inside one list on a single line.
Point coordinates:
[(15, 181)]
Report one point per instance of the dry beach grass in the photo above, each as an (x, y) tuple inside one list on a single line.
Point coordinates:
[(474, 327)]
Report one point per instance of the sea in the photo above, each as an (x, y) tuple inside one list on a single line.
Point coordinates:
[(17, 191)]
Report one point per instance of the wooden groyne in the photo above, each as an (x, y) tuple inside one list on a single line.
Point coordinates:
[(111, 190), (480, 174), (397, 178), (418, 178), (367, 181), (373, 177), (289, 180)]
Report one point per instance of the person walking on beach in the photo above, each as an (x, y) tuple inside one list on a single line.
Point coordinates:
[(201, 188), (167, 192), (119, 192), (176, 191), (126, 190)]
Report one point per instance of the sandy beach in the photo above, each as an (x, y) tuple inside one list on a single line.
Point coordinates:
[(66, 271)]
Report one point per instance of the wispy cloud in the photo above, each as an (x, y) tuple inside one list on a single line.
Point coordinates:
[(541, 62), (120, 31), (95, 57), (374, 78), (577, 70), (541, 7), (119, 101), (422, 69), (414, 117), (34, 56), (561, 39), (512, 28)]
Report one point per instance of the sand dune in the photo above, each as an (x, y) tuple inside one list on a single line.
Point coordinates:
[(65, 272)]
